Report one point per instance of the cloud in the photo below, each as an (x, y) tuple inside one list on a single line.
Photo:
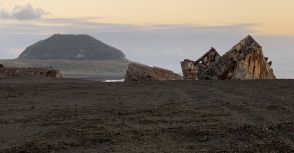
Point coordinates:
[(26, 12), (10, 53), (4, 14)]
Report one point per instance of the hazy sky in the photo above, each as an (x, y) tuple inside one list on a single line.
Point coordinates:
[(154, 32), (272, 16)]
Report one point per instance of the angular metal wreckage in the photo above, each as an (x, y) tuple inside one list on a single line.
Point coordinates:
[(243, 62)]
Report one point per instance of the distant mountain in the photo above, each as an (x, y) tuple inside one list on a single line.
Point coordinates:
[(71, 47)]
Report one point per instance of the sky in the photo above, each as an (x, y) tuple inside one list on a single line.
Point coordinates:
[(155, 32)]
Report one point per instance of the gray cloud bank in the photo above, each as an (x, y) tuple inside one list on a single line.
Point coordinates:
[(27, 12), (160, 45)]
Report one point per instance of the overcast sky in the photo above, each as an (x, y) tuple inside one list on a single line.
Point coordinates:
[(155, 32)]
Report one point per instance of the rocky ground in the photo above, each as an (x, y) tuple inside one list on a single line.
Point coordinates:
[(44, 115), (83, 69)]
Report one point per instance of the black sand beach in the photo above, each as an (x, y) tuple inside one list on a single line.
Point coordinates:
[(75, 116)]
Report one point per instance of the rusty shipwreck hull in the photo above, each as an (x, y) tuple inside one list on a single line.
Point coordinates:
[(244, 61)]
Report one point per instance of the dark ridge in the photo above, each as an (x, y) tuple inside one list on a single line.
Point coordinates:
[(71, 47)]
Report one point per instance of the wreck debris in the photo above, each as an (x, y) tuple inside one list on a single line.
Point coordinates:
[(30, 72), (192, 70), (189, 70), (244, 61), (140, 72)]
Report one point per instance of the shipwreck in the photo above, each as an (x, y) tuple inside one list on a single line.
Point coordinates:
[(244, 61), (140, 72)]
